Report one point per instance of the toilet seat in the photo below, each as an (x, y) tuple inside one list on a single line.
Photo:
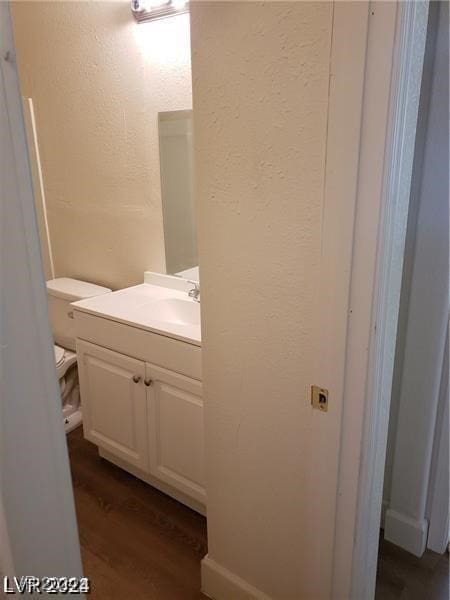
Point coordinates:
[(63, 359), (59, 355), (68, 387)]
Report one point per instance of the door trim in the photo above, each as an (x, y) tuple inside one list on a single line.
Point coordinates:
[(395, 52), (438, 509)]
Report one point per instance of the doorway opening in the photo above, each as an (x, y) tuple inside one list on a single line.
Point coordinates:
[(415, 512)]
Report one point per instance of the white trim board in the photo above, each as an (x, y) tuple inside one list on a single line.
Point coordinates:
[(438, 502), (424, 342), (401, 530), (38, 187), (408, 264), (221, 584), (393, 74)]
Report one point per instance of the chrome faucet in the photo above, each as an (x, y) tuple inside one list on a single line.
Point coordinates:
[(194, 293)]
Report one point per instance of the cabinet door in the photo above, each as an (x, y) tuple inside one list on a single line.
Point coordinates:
[(113, 402), (175, 424)]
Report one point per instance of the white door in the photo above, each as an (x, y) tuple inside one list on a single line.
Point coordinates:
[(113, 402), (175, 425), (38, 531)]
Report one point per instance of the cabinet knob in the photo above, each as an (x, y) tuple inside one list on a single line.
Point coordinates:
[(148, 382), (136, 378)]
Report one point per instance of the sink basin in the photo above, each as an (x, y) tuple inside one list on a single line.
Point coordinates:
[(176, 310), (156, 308)]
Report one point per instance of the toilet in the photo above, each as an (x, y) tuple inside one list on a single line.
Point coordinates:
[(61, 292)]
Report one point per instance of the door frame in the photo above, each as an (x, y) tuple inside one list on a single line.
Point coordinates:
[(36, 498), (394, 60), (395, 48), (438, 509)]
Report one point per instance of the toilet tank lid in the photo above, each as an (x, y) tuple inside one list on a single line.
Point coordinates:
[(73, 289)]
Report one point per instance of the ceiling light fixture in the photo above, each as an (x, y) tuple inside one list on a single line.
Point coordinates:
[(150, 10)]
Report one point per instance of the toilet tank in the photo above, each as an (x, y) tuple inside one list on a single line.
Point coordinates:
[(61, 292)]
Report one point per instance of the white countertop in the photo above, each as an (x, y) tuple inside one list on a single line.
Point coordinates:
[(161, 310)]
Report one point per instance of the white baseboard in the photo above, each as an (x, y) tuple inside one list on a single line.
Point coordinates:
[(409, 534), (221, 584)]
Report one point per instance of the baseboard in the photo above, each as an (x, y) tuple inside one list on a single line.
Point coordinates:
[(409, 534), (221, 584)]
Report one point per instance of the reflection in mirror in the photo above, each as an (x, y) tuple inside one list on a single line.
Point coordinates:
[(175, 148), (95, 82)]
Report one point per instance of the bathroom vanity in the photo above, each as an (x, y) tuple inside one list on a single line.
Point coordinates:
[(139, 361)]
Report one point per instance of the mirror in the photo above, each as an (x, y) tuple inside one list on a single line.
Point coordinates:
[(108, 113), (177, 192)]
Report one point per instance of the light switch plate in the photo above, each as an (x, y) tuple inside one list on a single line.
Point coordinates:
[(319, 398)]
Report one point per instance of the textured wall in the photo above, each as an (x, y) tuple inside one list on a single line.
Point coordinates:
[(260, 88), (98, 80)]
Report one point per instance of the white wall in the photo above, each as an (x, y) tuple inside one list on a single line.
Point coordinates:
[(260, 88), (424, 313), (98, 80)]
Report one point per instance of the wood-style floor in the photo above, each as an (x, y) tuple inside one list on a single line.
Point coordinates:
[(139, 544), (136, 543), (402, 576)]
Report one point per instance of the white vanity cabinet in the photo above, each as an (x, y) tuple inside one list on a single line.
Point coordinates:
[(175, 428), (141, 398), (114, 402)]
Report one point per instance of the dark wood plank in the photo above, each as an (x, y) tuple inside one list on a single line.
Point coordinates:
[(401, 575), (139, 544), (136, 542)]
